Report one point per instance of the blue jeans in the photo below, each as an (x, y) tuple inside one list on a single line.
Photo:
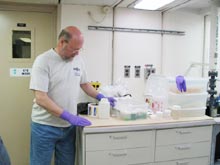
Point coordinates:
[(46, 140), (4, 158)]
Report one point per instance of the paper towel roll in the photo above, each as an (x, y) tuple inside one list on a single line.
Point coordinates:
[(93, 109)]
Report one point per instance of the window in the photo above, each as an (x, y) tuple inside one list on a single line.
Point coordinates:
[(21, 44)]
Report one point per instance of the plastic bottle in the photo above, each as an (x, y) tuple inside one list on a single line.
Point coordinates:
[(104, 109)]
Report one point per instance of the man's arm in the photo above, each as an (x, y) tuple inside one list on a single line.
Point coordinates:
[(89, 89), (44, 101)]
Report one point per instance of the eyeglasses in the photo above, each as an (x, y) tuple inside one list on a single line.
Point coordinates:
[(71, 49)]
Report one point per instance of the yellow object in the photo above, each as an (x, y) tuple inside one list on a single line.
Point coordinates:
[(96, 84)]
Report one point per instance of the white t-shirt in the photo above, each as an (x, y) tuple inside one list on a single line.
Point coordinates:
[(61, 80)]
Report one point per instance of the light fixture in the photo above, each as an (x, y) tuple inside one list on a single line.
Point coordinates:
[(151, 4), (27, 40)]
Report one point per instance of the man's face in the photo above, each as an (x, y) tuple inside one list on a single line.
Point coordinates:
[(71, 48)]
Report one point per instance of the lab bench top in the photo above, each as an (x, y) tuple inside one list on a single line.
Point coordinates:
[(217, 120), (117, 125)]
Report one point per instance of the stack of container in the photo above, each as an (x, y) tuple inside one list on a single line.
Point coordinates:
[(191, 103)]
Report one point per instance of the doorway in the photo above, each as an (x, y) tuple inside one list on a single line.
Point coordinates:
[(24, 35)]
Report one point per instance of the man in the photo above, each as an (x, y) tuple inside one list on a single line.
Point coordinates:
[(56, 77), (4, 157)]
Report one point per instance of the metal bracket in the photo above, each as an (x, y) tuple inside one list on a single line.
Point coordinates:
[(134, 30)]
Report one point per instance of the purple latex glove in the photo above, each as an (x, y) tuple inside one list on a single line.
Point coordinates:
[(181, 83), (74, 120), (110, 99)]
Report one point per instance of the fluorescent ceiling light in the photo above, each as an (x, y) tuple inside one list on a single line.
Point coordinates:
[(28, 40), (152, 4)]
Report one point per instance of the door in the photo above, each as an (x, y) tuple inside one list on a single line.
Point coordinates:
[(24, 35)]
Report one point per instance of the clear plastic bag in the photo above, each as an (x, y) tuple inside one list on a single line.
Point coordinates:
[(156, 92)]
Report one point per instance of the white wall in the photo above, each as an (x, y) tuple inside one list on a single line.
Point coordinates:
[(136, 48), (170, 54), (98, 44), (181, 51)]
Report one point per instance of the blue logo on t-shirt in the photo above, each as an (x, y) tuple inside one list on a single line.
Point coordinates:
[(76, 71)]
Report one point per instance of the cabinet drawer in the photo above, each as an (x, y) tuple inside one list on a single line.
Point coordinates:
[(179, 151), (183, 135), (195, 161), (123, 140), (120, 157)]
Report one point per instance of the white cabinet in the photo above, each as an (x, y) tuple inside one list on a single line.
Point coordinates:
[(119, 140), (194, 161), (120, 148), (183, 143), (176, 145), (119, 157), (183, 135)]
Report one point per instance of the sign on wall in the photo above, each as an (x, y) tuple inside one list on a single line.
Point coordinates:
[(20, 72)]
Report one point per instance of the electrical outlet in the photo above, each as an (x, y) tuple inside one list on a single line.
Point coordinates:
[(148, 70), (127, 71), (137, 72)]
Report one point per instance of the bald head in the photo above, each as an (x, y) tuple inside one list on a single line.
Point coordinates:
[(70, 32), (70, 42)]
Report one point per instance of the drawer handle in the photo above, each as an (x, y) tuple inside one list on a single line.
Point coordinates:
[(117, 155), (183, 147), (118, 137), (183, 132), (182, 163)]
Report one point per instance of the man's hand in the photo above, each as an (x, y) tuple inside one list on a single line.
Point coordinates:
[(74, 119), (110, 99), (181, 83)]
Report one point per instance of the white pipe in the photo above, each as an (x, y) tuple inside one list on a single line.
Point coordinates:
[(195, 64), (213, 37)]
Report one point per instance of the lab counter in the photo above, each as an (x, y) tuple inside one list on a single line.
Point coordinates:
[(145, 142), (114, 124)]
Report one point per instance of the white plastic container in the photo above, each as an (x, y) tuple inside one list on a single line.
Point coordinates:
[(129, 109), (133, 114), (187, 100), (188, 112), (104, 109), (193, 85)]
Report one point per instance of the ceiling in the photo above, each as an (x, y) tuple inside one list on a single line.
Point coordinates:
[(194, 5)]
